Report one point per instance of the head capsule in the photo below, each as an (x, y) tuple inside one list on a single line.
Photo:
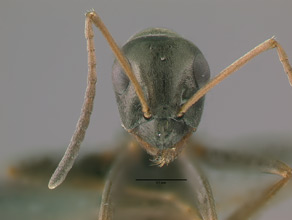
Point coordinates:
[(170, 70)]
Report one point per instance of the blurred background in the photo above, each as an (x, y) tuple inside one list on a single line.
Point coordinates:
[(43, 64)]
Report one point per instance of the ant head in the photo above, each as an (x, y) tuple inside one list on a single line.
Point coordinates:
[(169, 70)]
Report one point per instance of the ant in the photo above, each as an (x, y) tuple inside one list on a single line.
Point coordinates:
[(160, 80)]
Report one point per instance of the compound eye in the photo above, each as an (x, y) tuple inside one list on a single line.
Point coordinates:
[(120, 79), (201, 70)]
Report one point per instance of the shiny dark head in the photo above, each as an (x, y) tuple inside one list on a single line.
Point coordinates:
[(170, 70)]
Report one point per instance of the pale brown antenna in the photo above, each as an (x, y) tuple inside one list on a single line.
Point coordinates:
[(122, 60), (268, 44), (72, 151)]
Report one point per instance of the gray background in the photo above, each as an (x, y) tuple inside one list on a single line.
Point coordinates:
[(43, 68)]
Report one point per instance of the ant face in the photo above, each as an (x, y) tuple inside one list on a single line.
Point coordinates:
[(170, 70)]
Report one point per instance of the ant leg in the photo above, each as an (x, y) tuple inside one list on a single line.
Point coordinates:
[(205, 203), (268, 44), (266, 165)]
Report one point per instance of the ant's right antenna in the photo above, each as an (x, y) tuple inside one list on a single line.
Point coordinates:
[(72, 151)]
